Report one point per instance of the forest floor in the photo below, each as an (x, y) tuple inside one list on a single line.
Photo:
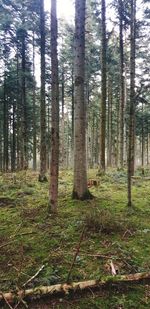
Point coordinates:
[(29, 238)]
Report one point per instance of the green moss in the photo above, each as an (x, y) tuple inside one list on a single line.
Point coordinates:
[(34, 238)]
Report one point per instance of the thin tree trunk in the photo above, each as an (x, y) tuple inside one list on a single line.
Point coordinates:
[(132, 102), (54, 164), (34, 110), (72, 112), (24, 147), (103, 87), (121, 95), (147, 145), (18, 113), (48, 131), (109, 128), (62, 122), (13, 161), (5, 127), (42, 175), (143, 141)]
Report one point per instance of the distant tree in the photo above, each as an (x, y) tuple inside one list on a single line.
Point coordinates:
[(42, 175), (131, 147), (121, 85)]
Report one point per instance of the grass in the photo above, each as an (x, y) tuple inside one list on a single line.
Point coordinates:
[(29, 238)]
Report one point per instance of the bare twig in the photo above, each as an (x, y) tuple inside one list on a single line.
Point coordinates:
[(76, 254), (33, 277), (6, 301), (23, 302), (21, 272), (127, 232), (113, 270), (16, 231)]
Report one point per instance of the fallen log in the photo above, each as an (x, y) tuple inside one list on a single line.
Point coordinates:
[(63, 289)]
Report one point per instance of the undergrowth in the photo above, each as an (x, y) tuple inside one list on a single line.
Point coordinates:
[(29, 238)]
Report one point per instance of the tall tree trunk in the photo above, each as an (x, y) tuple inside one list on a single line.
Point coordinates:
[(109, 137), (5, 127), (24, 147), (18, 112), (147, 144), (103, 87), (1, 148), (80, 190), (34, 109), (48, 131), (72, 112), (143, 138), (42, 175), (54, 164), (5, 114), (13, 161), (62, 122), (121, 90), (132, 101)]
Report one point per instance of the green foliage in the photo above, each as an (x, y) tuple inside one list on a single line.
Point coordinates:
[(102, 221), (32, 238)]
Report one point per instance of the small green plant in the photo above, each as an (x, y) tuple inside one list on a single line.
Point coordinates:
[(102, 221)]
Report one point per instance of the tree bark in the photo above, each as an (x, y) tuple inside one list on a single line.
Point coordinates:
[(80, 190), (54, 163), (103, 87), (24, 147), (63, 120), (132, 102), (121, 86), (42, 175), (109, 123), (143, 137), (34, 109), (64, 289)]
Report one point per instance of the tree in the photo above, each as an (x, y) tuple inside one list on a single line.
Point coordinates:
[(54, 163), (132, 101), (121, 90), (103, 86), (42, 175), (80, 190)]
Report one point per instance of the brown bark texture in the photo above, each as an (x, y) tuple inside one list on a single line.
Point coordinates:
[(65, 288), (54, 161), (80, 190)]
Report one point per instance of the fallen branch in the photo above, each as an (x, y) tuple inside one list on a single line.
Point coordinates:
[(54, 290)]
